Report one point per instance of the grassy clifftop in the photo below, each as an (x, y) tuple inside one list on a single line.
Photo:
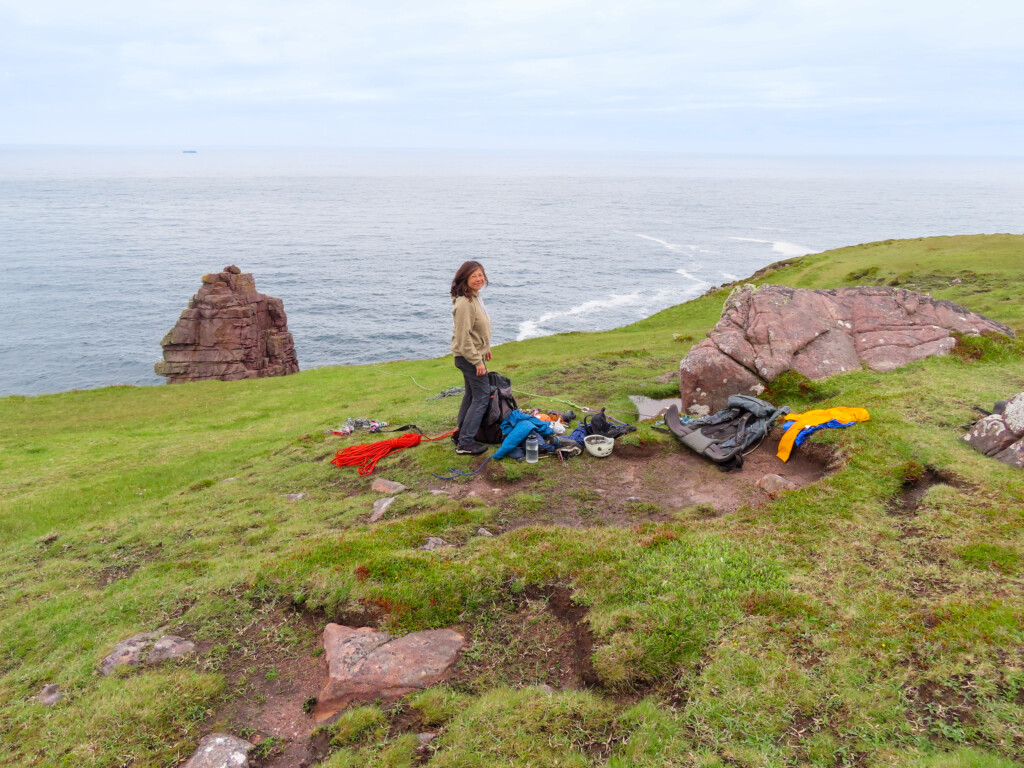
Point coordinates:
[(874, 617)]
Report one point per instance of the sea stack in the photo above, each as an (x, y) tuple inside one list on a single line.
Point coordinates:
[(229, 331)]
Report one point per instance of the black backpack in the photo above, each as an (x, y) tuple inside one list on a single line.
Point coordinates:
[(501, 404), (724, 437)]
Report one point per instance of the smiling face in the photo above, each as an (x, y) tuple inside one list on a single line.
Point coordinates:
[(476, 280)]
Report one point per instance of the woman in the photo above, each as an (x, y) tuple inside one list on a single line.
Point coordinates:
[(471, 345)]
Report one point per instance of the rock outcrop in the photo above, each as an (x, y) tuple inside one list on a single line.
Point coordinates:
[(229, 332), (365, 665), (1001, 434), (769, 329)]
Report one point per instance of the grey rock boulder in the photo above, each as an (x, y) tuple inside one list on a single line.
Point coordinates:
[(1001, 435)]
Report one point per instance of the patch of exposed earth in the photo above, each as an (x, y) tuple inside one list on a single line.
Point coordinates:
[(650, 482)]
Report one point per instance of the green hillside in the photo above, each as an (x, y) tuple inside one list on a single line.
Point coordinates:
[(874, 617)]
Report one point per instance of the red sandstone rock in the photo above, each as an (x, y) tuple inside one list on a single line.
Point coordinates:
[(769, 329), (229, 331), (366, 665)]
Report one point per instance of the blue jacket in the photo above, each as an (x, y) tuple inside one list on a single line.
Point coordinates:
[(516, 427)]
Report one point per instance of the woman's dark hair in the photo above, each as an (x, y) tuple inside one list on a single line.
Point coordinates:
[(460, 285)]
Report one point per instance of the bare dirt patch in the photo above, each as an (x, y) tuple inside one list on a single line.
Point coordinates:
[(273, 670), (536, 638), (637, 483), (916, 485)]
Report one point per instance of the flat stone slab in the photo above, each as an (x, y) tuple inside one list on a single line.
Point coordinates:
[(145, 647), (380, 506), (365, 664), (220, 750)]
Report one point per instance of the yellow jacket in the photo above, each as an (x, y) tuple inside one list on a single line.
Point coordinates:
[(471, 330), (843, 414)]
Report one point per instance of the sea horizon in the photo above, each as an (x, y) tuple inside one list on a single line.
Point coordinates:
[(107, 245)]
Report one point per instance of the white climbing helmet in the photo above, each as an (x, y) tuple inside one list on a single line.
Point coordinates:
[(599, 445)]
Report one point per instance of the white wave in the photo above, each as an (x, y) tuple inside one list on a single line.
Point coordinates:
[(697, 282), (779, 246), (730, 277), (670, 246), (650, 303), (529, 329)]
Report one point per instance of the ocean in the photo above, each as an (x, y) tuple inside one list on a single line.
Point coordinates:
[(102, 249)]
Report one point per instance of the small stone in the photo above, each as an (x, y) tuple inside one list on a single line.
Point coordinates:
[(483, 532), (380, 485), (170, 647), (600, 490), (439, 493), (434, 543), (220, 750), (633, 499), (293, 496), (774, 484), (380, 506), (547, 689), (50, 695), (495, 490), (128, 652), (424, 739), (49, 539)]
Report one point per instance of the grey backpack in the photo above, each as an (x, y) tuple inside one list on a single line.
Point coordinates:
[(725, 437)]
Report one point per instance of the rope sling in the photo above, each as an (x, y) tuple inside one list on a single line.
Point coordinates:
[(367, 455)]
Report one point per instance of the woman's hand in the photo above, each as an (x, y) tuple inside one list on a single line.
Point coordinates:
[(487, 356), (481, 370)]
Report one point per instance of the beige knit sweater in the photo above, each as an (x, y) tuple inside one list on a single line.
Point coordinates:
[(471, 330)]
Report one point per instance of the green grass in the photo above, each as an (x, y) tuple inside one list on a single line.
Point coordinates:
[(829, 627)]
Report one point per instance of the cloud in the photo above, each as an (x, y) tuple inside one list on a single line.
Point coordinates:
[(598, 70)]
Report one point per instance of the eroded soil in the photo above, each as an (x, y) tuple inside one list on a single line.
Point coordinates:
[(647, 483)]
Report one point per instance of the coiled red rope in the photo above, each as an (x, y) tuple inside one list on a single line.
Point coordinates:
[(367, 455)]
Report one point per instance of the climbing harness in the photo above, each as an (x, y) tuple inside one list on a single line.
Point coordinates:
[(367, 455)]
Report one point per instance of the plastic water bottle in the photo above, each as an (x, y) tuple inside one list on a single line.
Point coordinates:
[(532, 451)]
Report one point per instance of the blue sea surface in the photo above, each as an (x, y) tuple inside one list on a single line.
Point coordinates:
[(102, 249)]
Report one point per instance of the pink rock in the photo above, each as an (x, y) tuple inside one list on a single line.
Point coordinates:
[(365, 665), (769, 329), (228, 332)]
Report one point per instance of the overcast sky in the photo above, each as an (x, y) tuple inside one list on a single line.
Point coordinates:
[(858, 76)]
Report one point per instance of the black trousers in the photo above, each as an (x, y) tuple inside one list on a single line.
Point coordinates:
[(474, 401)]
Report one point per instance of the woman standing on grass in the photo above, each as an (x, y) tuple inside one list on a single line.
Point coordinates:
[(471, 345)]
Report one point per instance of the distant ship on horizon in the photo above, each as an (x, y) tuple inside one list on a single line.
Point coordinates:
[(190, 152)]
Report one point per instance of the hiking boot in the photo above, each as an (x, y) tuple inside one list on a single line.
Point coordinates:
[(473, 449)]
